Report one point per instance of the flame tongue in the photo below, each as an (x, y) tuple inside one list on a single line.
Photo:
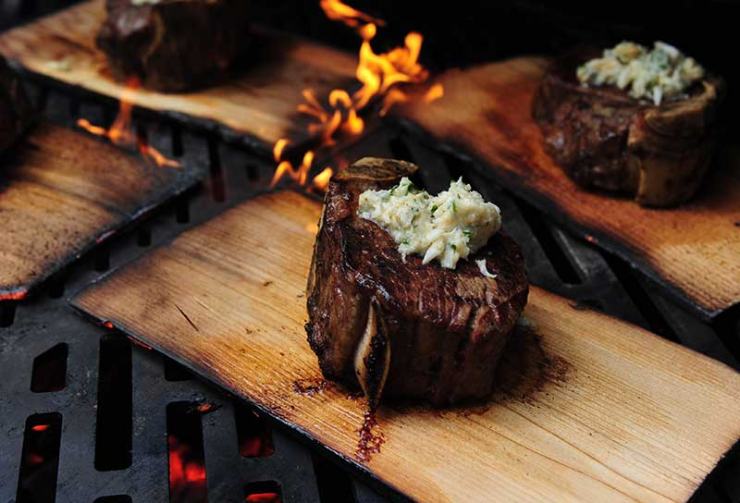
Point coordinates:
[(121, 131), (382, 77), (338, 11)]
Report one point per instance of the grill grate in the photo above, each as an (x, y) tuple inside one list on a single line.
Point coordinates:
[(124, 423)]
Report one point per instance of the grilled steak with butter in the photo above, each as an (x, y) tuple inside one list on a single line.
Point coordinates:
[(632, 121), (15, 109), (174, 45), (395, 325)]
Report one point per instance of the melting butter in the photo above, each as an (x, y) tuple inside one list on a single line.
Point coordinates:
[(445, 227), (651, 74)]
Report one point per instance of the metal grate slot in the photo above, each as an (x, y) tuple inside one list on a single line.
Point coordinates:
[(114, 422), (7, 313), (186, 455), (253, 432), (144, 237), (56, 285), (217, 182), (40, 459), (49, 372), (121, 498), (101, 259), (334, 483), (562, 265), (655, 320), (175, 372)]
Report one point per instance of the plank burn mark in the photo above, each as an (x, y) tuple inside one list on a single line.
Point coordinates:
[(187, 318)]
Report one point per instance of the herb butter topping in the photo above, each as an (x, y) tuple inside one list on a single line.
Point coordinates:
[(663, 72), (446, 227)]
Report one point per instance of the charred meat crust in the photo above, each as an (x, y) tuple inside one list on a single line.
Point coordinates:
[(446, 328), (15, 108), (175, 45), (607, 140)]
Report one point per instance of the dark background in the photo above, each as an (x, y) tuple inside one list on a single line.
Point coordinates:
[(464, 32)]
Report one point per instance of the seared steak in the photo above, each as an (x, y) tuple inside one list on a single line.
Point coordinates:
[(15, 109), (608, 140), (406, 329), (174, 45)]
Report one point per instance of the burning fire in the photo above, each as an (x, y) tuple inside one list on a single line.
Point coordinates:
[(381, 76), (121, 132)]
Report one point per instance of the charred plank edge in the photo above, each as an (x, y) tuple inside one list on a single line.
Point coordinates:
[(198, 124), (551, 210), (357, 468), (190, 174)]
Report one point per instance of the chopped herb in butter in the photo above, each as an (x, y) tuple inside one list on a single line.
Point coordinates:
[(445, 227), (662, 72)]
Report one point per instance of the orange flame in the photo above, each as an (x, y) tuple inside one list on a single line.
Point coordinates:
[(381, 76), (121, 131), (336, 10)]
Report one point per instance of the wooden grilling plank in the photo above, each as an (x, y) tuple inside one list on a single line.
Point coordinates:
[(605, 411), (63, 192)]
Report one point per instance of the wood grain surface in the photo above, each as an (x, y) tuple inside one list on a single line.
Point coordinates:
[(63, 192), (590, 408), (693, 250), (257, 107)]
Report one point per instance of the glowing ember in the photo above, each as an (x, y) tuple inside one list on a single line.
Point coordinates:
[(121, 132), (137, 342), (206, 407), (186, 474), (34, 458), (17, 295), (263, 498), (383, 77)]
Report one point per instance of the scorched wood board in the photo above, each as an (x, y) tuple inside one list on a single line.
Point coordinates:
[(603, 411), (693, 250), (257, 107), (62, 193)]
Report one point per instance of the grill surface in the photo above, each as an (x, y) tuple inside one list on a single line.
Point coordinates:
[(112, 407)]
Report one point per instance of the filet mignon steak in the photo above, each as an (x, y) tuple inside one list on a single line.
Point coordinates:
[(174, 45), (406, 329), (15, 108), (606, 139)]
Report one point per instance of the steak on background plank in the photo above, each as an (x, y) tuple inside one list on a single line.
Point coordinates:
[(406, 329), (605, 139), (15, 108), (175, 45)]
